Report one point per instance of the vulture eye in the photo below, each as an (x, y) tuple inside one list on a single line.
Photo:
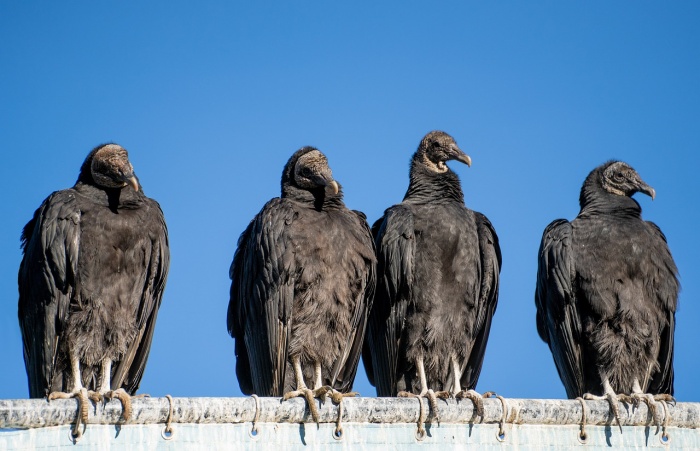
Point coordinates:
[(618, 176), (434, 144), (305, 172)]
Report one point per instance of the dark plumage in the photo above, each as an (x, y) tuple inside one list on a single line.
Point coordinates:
[(91, 281), (303, 278), (438, 266), (607, 291)]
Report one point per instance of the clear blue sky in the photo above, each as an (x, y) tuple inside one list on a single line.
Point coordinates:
[(212, 98)]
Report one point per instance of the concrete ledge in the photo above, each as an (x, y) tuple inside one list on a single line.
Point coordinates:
[(35, 413), (377, 424)]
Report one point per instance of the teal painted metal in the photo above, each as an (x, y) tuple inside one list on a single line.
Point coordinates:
[(367, 424)]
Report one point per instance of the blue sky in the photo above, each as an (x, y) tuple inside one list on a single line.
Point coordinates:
[(212, 99)]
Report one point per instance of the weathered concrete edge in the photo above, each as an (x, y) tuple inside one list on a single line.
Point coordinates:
[(34, 413)]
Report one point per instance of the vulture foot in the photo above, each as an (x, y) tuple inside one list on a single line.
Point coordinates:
[(612, 400), (421, 415), (476, 398), (124, 398), (310, 396), (432, 399), (81, 395), (95, 396), (650, 401)]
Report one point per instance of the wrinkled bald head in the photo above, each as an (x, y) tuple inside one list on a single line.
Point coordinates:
[(308, 169), (619, 178), (436, 148), (110, 167)]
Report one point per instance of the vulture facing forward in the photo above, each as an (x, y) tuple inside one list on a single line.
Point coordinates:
[(607, 291), (90, 283), (437, 289), (303, 279)]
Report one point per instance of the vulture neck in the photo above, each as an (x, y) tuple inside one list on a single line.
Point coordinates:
[(318, 199), (113, 198), (597, 201), (426, 186)]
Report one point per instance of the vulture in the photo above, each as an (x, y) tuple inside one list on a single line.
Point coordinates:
[(95, 261), (606, 296), (438, 265), (303, 278)]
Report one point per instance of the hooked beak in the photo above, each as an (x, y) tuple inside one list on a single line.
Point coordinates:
[(458, 155), (326, 181), (646, 189), (334, 186), (131, 180)]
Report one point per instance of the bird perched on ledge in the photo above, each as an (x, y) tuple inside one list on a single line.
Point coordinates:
[(303, 279), (607, 291), (95, 261), (437, 289)]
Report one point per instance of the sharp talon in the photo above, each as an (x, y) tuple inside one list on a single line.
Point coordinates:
[(308, 395), (582, 434), (82, 396), (667, 417), (475, 398), (612, 400), (420, 433), (338, 426), (649, 401), (432, 400), (124, 398)]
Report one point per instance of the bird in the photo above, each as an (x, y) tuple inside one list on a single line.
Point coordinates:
[(437, 286), (607, 293), (302, 282), (94, 266)]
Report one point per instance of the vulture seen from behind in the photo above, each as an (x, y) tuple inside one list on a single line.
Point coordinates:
[(607, 291), (438, 271), (94, 266), (303, 279)]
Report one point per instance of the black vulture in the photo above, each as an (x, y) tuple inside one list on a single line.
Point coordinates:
[(94, 266), (303, 279), (438, 271), (607, 291)]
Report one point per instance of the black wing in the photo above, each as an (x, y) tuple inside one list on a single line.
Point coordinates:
[(262, 296), (558, 321), (46, 281), (346, 368), (490, 253), (127, 373), (666, 286), (396, 247)]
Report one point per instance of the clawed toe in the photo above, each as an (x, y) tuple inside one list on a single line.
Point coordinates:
[(82, 396), (124, 398), (337, 396), (96, 396), (612, 401), (309, 395), (476, 398)]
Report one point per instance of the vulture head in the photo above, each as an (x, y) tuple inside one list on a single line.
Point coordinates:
[(308, 170), (108, 166), (436, 148), (619, 178)]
